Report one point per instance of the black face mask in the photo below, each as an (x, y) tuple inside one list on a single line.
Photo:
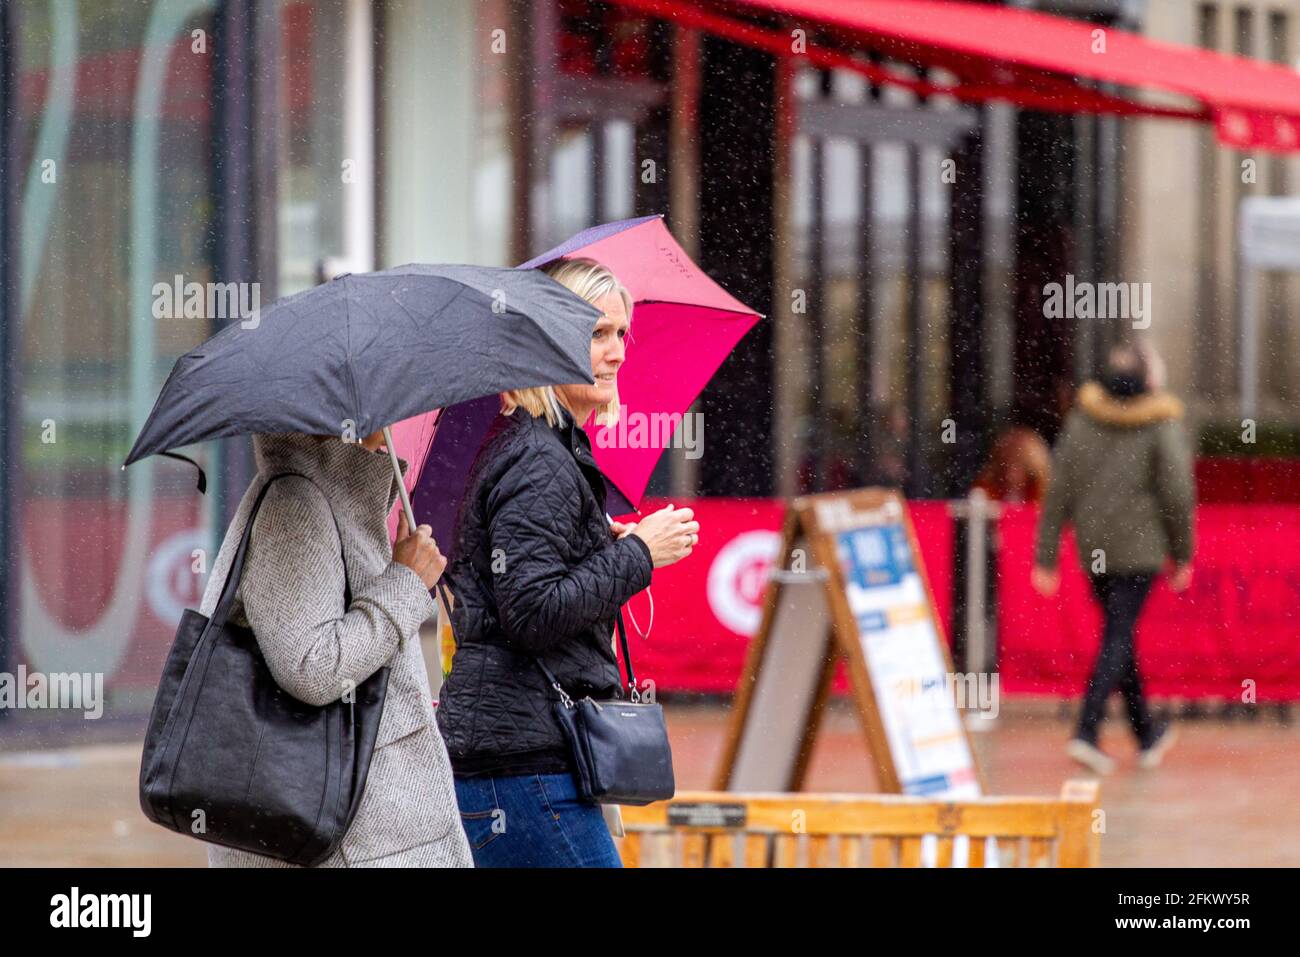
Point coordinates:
[(1124, 385)]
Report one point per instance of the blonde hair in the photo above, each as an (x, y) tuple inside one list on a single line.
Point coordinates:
[(590, 280)]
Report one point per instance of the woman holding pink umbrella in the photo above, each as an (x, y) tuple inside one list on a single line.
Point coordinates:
[(539, 576), (686, 326)]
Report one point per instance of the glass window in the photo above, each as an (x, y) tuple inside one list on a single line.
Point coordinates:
[(311, 175), (445, 156), (113, 127)]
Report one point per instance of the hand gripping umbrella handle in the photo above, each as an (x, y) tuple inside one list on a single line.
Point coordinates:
[(444, 613)]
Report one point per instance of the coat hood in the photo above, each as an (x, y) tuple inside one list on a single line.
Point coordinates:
[(356, 480), (1145, 409)]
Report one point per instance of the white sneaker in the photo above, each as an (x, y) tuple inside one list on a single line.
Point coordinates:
[(1090, 756), (1152, 756)]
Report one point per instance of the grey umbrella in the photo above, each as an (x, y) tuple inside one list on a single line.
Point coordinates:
[(362, 351)]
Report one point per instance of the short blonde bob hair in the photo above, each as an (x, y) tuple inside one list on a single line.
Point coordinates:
[(590, 280)]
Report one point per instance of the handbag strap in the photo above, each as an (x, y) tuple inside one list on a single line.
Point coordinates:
[(231, 585), (445, 592), (627, 656), (633, 695)]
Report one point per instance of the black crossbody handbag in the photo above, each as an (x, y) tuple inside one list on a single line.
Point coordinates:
[(620, 748), (232, 758)]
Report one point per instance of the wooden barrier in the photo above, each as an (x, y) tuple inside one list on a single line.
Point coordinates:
[(729, 829)]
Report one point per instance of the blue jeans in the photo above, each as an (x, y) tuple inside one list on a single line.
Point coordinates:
[(532, 820)]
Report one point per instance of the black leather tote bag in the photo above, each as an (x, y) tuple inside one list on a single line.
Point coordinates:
[(232, 758)]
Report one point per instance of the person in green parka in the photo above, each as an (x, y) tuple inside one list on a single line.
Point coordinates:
[(1122, 476)]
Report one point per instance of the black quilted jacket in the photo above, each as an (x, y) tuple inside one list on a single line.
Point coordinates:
[(536, 573)]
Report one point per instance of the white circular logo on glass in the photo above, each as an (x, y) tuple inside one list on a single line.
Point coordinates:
[(738, 577), (172, 585)]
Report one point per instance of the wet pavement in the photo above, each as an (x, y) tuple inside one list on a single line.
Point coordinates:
[(1224, 797)]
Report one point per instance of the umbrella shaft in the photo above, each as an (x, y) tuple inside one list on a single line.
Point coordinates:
[(444, 613), (401, 483)]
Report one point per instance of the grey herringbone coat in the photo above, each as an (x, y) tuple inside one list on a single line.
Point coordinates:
[(291, 595)]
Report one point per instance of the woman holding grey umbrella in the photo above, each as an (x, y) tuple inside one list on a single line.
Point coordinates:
[(293, 721), (320, 533), (539, 576)]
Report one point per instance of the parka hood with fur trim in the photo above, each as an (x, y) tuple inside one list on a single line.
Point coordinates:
[(1145, 409)]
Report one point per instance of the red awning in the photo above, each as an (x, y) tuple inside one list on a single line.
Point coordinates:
[(1034, 60)]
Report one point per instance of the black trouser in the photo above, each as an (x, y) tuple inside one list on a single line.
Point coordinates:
[(1121, 598)]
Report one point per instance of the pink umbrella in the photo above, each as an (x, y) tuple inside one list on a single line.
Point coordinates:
[(411, 440), (683, 326)]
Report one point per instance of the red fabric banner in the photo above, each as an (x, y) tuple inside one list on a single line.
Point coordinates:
[(1239, 623), (1242, 479), (707, 607)]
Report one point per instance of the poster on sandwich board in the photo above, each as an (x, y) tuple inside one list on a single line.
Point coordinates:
[(849, 585)]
